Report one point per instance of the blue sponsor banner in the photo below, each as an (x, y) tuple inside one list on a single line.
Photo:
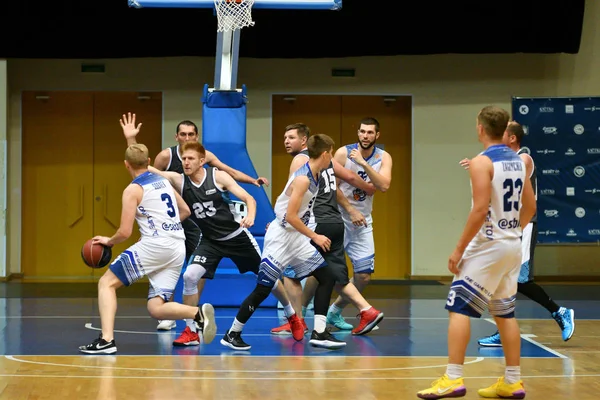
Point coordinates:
[(563, 138)]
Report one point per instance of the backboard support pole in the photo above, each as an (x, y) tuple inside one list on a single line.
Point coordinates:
[(226, 61)]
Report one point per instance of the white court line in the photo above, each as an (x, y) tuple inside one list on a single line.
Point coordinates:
[(287, 378), (528, 337), (241, 371), (90, 326)]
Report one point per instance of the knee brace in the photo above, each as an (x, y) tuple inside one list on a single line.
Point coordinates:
[(259, 294), (191, 277)]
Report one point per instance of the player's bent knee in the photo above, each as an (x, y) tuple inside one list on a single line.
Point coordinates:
[(362, 277), (110, 280), (191, 277), (259, 294), (154, 307)]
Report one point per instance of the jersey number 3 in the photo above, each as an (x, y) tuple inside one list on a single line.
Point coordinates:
[(170, 207), (510, 186), (203, 210)]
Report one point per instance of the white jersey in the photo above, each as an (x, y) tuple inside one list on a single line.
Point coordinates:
[(502, 221), (357, 197), (308, 200), (157, 214)]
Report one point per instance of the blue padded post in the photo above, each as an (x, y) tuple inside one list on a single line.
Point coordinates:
[(224, 134)]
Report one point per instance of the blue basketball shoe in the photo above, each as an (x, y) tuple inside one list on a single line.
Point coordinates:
[(490, 341), (565, 318)]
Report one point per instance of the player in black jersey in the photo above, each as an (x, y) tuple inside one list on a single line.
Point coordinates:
[(169, 159), (206, 192), (329, 223)]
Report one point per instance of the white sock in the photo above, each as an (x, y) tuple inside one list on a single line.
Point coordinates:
[(365, 309), (335, 309), (512, 374), (237, 326), (320, 323), (289, 310), (454, 371), (191, 324)]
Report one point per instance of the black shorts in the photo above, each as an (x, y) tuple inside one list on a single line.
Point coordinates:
[(335, 257), (241, 249), (192, 236)]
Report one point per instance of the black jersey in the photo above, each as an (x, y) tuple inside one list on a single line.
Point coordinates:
[(326, 209), (211, 208), (175, 165), (533, 179), (326, 206)]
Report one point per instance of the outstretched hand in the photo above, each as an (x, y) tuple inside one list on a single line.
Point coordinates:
[(128, 125)]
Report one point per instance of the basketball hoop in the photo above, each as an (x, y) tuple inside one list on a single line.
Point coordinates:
[(233, 14)]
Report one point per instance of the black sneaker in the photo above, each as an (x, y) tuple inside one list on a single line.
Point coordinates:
[(325, 340), (99, 346), (206, 324), (234, 341)]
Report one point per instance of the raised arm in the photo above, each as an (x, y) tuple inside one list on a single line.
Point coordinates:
[(131, 130), (239, 176), (352, 178), (381, 179), (225, 181)]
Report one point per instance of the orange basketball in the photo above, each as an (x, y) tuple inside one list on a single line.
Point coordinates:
[(95, 255)]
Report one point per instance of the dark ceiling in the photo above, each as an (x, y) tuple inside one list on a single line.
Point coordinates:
[(110, 29)]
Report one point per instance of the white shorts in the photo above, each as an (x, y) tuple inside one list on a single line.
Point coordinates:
[(360, 245), (528, 242), (487, 279), (285, 248), (290, 270), (161, 260)]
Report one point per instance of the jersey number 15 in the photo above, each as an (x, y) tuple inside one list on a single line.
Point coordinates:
[(329, 179)]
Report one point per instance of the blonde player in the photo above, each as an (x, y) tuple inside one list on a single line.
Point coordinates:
[(487, 259), (157, 208)]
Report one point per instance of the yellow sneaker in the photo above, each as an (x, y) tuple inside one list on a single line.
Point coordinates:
[(444, 387), (504, 390)]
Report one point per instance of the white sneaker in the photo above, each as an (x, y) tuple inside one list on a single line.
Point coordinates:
[(166, 325)]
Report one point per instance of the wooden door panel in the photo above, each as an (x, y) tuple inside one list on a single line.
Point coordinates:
[(320, 113), (110, 175), (57, 183), (392, 209)]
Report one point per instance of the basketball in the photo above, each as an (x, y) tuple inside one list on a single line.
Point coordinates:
[(95, 255)]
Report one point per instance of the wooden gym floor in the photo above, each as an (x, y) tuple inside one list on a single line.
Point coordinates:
[(42, 325)]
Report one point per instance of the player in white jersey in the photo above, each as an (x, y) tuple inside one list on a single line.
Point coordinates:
[(170, 159), (373, 165), (159, 254), (285, 241), (564, 317), (487, 259)]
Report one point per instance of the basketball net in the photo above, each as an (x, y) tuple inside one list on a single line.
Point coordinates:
[(233, 14)]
